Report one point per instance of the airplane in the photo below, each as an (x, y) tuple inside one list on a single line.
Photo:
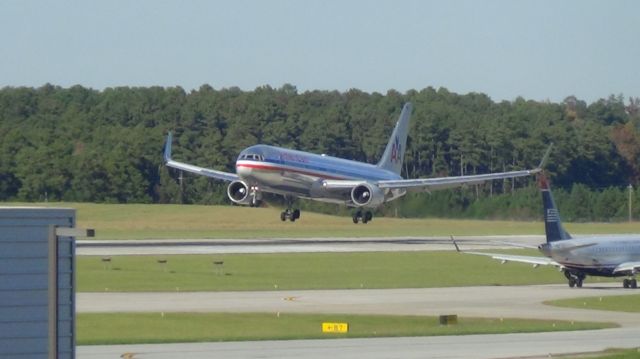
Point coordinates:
[(297, 174), (601, 256)]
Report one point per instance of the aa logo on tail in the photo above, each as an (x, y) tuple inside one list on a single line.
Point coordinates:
[(396, 150)]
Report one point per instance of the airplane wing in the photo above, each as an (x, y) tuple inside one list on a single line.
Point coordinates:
[(428, 184), (224, 176), (633, 267), (504, 258), (517, 245)]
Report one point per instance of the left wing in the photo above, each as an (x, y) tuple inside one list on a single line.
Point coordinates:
[(633, 267), (504, 258), (428, 184)]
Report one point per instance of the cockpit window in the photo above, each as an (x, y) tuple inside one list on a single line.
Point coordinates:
[(251, 157)]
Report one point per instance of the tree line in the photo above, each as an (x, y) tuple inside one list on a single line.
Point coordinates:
[(81, 144)]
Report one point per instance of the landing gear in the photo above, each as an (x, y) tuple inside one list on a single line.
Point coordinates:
[(290, 214), (575, 278), (630, 283), (364, 217), (256, 197)]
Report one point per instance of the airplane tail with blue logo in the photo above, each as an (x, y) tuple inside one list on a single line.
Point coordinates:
[(393, 155), (552, 223)]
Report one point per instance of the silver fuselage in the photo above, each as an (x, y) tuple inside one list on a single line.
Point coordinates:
[(597, 255), (300, 174)]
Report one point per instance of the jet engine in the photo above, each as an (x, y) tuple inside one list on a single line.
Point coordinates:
[(366, 195), (238, 192)]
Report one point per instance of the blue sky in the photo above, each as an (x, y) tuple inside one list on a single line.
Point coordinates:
[(535, 49)]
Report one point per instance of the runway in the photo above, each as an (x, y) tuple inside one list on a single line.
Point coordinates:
[(490, 301), (295, 245)]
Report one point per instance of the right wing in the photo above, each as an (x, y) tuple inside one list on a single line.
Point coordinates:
[(224, 176)]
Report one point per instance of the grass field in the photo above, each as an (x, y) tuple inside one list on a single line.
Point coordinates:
[(140, 221), (613, 354), (132, 328), (619, 303), (307, 271)]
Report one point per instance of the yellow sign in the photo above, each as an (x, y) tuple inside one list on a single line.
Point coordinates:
[(335, 327)]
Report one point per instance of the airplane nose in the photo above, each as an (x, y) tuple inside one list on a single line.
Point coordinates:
[(243, 170)]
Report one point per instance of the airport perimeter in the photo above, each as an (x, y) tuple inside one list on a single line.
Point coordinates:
[(487, 301)]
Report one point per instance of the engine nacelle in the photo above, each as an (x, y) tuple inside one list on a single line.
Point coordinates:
[(367, 195), (238, 192)]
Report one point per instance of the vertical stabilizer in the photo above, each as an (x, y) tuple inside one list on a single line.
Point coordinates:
[(552, 223), (393, 155)]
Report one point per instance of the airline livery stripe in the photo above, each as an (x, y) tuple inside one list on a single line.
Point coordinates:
[(290, 169), (586, 266), (350, 171)]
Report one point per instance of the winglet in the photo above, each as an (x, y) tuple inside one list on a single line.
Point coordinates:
[(167, 148), (455, 244), (545, 158)]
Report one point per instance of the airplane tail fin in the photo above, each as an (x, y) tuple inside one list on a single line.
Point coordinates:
[(552, 224), (393, 155)]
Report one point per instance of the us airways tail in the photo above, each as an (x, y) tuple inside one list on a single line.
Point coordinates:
[(393, 155), (552, 223)]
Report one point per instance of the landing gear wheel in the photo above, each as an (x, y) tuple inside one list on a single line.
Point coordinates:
[(368, 216), (572, 282), (633, 284), (358, 217), (289, 214), (579, 283), (625, 283)]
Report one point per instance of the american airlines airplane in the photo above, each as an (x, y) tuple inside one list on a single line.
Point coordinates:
[(603, 256), (296, 174)]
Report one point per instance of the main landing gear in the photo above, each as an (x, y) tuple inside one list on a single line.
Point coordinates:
[(575, 278), (364, 217), (630, 283), (290, 214)]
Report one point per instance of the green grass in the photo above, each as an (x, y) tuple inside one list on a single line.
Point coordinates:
[(615, 354), (140, 221), (130, 328), (307, 271), (619, 303)]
